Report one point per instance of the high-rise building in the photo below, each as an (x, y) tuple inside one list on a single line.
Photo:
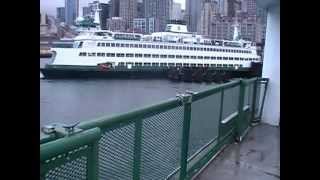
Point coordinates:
[(116, 24), (251, 6), (160, 11), (61, 14), (193, 9), (140, 9), (207, 12), (128, 11), (104, 14), (222, 27), (176, 11), (71, 11), (143, 25), (86, 11), (115, 5)]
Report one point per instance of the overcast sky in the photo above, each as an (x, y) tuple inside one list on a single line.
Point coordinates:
[(49, 6)]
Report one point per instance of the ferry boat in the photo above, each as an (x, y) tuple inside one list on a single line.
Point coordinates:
[(173, 53)]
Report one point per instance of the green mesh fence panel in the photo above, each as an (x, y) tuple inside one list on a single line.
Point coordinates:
[(72, 170), (248, 95), (230, 101), (204, 122), (116, 153), (260, 93), (161, 144)]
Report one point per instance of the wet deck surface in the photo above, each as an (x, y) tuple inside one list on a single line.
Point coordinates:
[(256, 158)]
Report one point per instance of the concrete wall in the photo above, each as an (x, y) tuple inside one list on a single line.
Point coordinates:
[(271, 67)]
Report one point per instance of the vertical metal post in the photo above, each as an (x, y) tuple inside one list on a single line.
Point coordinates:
[(93, 161), (220, 114), (240, 110), (264, 96), (185, 136), (137, 150), (254, 100)]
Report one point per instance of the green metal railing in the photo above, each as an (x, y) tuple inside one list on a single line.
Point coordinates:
[(174, 139)]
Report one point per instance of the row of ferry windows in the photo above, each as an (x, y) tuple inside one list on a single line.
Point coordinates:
[(179, 64), (171, 47), (163, 56)]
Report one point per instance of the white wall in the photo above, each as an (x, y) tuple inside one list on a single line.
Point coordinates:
[(271, 67)]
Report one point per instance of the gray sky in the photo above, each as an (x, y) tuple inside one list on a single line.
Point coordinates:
[(49, 6)]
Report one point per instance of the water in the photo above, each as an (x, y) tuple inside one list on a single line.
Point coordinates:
[(69, 101)]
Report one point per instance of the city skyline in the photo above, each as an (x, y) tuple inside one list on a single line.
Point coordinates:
[(50, 6)]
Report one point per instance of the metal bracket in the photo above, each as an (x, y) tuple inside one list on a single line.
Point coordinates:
[(184, 98), (49, 129), (70, 128)]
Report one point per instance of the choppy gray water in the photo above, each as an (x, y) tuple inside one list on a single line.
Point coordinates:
[(68, 101)]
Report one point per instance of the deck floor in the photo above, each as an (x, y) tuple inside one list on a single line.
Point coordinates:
[(256, 158)]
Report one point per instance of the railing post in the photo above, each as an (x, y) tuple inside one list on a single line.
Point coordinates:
[(137, 149), (93, 162), (220, 114), (254, 100), (240, 110), (187, 99)]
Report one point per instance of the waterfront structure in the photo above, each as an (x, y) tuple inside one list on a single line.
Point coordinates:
[(143, 25), (116, 24), (160, 11), (128, 10), (61, 14), (71, 11)]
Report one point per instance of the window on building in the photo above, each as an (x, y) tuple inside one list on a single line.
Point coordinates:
[(117, 45), (122, 45), (161, 46), (127, 45), (170, 56), (184, 48), (180, 47), (178, 56), (213, 57), (157, 46), (230, 58), (185, 57), (112, 45), (107, 44), (225, 58), (129, 55), (169, 47), (91, 54), (165, 47), (147, 55), (149, 46), (207, 57), (120, 55), (200, 57), (99, 44), (155, 55), (193, 57), (153, 46), (140, 45), (138, 55), (83, 54), (136, 46)]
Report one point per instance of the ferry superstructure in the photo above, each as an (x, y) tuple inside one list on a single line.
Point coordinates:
[(109, 52)]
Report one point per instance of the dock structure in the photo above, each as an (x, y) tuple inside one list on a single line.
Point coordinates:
[(174, 139)]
